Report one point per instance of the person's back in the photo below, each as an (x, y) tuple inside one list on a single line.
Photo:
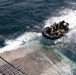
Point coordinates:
[(57, 26), (66, 26), (60, 26)]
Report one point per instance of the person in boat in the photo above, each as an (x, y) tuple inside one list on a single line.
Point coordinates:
[(60, 27), (53, 28), (59, 33), (63, 25), (57, 26)]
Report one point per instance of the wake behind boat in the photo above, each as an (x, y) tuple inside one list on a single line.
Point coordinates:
[(56, 31)]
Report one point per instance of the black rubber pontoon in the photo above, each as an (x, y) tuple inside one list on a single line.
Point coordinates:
[(46, 33)]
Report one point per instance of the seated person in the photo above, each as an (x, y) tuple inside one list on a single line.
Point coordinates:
[(59, 28), (52, 27), (65, 26), (59, 32), (60, 25)]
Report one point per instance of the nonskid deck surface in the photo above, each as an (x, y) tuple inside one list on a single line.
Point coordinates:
[(40, 60), (10, 68)]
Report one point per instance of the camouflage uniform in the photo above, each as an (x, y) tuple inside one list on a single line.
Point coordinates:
[(53, 28)]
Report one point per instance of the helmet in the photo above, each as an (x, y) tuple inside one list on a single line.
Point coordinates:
[(65, 24)]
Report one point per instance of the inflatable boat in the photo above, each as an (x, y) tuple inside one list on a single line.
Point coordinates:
[(46, 32)]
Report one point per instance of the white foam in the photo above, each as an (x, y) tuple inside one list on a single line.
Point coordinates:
[(68, 15), (23, 39)]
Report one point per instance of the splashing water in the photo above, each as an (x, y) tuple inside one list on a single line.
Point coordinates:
[(21, 40), (68, 15)]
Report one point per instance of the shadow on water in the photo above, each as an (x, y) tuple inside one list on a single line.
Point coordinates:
[(46, 41)]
